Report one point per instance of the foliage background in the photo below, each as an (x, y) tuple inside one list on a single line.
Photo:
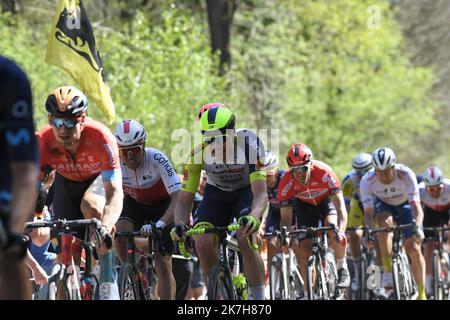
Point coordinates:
[(316, 70)]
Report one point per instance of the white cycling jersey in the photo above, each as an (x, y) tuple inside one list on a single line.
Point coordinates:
[(441, 203), (153, 181), (403, 188)]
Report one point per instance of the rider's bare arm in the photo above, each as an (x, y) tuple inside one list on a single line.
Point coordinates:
[(260, 198), (183, 207), (24, 178), (114, 202), (168, 216), (339, 204)]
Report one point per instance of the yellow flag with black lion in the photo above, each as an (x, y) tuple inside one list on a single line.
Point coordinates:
[(71, 46)]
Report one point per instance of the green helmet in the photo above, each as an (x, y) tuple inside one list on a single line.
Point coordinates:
[(217, 119)]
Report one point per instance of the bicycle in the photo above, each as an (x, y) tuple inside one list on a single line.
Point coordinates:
[(66, 281), (441, 263), (367, 260), (285, 280), (405, 287), (322, 277), (137, 277), (226, 283)]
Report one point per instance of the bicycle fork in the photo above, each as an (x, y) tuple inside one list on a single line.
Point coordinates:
[(70, 268)]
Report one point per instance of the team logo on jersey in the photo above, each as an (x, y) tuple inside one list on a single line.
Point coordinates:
[(286, 188)]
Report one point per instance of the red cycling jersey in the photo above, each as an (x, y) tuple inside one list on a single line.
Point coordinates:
[(97, 152), (322, 183)]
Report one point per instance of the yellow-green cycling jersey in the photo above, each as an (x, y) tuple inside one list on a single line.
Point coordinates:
[(352, 197), (238, 170)]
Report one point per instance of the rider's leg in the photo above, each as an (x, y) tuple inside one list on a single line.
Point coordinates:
[(121, 244), (428, 256), (417, 264), (412, 246), (206, 246), (385, 219), (303, 250), (92, 205), (166, 285), (339, 248), (163, 266), (253, 266)]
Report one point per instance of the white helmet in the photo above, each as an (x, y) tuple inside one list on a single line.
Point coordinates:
[(362, 161), (130, 133), (383, 158), (270, 162), (433, 176)]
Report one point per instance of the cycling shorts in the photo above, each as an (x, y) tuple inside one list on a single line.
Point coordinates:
[(220, 207), (402, 214), (309, 215), (140, 214), (67, 197), (433, 218)]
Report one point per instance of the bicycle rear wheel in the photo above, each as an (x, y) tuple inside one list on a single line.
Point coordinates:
[(333, 290), (316, 282), (296, 286), (220, 285), (398, 275), (276, 280), (438, 288), (127, 287), (363, 293)]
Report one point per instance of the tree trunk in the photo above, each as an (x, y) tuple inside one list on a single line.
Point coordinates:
[(220, 16), (10, 6)]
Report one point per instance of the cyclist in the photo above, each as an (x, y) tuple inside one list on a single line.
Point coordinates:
[(389, 193), (361, 163), (151, 188), (18, 177), (234, 188), (316, 196), (88, 179), (435, 198)]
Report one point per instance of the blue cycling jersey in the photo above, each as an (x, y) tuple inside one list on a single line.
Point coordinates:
[(17, 140)]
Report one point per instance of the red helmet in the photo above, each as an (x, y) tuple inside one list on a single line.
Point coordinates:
[(207, 107), (299, 154)]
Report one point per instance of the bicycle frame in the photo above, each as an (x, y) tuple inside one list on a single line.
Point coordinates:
[(441, 285), (287, 267), (400, 262), (66, 273), (318, 261), (145, 291)]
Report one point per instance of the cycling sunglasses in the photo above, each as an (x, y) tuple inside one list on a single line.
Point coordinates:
[(300, 169), (135, 151), (68, 123), (434, 188)]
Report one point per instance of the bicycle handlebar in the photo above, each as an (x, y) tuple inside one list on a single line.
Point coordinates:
[(60, 224), (393, 228), (195, 231)]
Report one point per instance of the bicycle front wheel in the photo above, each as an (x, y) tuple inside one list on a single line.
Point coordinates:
[(276, 280), (220, 285)]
